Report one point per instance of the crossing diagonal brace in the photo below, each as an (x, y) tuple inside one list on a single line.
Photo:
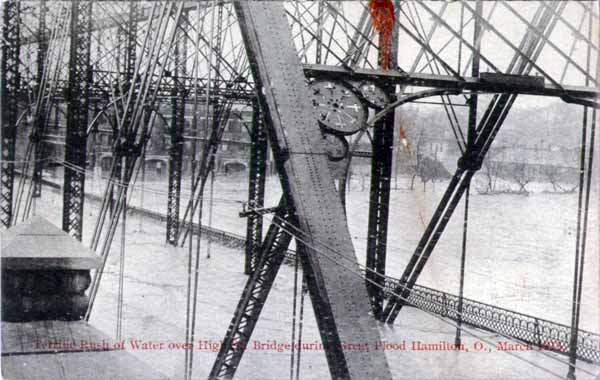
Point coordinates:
[(253, 298)]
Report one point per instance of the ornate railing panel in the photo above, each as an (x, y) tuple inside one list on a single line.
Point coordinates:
[(548, 335)]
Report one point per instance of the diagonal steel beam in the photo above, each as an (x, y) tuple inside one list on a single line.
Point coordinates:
[(253, 298), (339, 298)]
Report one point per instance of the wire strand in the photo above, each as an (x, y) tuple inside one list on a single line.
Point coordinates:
[(304, 242)]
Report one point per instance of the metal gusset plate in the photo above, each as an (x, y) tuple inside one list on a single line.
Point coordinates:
[(337, 150), (374, 95), (337, 107), (335, 146)]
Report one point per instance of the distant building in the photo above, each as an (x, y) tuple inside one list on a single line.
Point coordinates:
[(537, 163), (232, 156)]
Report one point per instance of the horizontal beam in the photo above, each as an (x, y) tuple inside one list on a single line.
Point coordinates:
[(116, 20), (448, 81), (102, 89)]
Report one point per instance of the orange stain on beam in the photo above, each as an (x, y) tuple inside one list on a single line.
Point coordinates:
[(382, 15)]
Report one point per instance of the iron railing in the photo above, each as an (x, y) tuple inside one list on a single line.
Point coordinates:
[(544, 334)]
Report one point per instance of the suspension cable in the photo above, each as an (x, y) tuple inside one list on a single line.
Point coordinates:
[(210, 211), (121, 268), (193, 305)]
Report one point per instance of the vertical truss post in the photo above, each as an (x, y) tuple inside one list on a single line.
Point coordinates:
[(77, 96), (471, 134), (130, 45), (8, 103), (320, 19), (176, 133), (125, 57), (379, 202), (42, 52), (585, 174), (381, 171), (175, 164), (256, 187), (583, 206)]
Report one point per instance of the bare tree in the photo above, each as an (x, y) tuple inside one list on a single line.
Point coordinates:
[(415, 168), (520, 175), (431, 170), (552, 174), (491, 172)]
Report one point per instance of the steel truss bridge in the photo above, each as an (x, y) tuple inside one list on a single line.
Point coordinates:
[(127, 62)]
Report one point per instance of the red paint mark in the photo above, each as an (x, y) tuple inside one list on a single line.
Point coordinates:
[(405, 142), (402, 133), (382, 14)]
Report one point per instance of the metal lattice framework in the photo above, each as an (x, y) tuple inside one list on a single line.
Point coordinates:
[(42, 54), (176, 134), (126, 62), (256, 188), (253, 299), (77, 97), (9, 103)]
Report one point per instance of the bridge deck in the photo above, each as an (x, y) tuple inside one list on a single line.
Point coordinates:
[(66, 350)]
